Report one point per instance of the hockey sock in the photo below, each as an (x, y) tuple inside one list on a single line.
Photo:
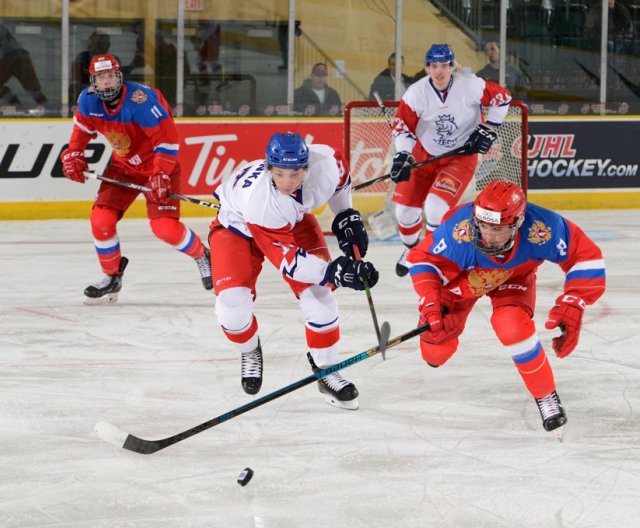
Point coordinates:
[(174, 232), (105, 238)]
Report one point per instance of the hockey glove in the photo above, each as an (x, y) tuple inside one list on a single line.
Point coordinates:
[(73, 165), (347, 273), (401, 168), (349, 230), (480, 140), (566, 314), (441, 324), (160, 184)]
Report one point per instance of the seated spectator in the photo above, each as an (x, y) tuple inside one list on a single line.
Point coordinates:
[(385, 82), (515, 80), (98, 43), (314, 97), (620, 29), (15, 61)]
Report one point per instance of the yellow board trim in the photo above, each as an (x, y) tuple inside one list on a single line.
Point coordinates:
[(369, 203)]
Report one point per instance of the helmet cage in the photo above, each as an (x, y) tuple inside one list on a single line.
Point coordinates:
[(101, 64), (501, 204), (476, 236)]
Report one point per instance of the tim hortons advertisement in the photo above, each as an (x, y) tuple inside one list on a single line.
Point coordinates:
[(583, 154), (211, 151)]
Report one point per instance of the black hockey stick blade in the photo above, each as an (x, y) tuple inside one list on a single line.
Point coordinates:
[(383, 340), (112, 434), (454, 152), (142, 188)]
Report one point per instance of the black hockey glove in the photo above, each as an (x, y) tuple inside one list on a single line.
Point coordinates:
[(401, 168), (347, 273), (480, 140), (349, 230)]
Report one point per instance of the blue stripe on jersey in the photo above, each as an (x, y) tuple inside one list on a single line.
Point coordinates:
[(586, 274), (165, 150), (422, 267), (318, 325), (529, 355)]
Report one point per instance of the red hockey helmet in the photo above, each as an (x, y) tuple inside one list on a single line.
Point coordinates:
[(500, 203), (105, 63)]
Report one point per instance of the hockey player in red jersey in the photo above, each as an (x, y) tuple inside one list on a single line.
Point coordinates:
[(137, 122), (440, 113), (266, 212), (493, 247)]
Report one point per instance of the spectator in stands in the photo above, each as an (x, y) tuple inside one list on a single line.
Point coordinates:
[(515, 80), (15, 61), (620, 26), (167, 67), (314, 97), (98, 44), (207, 41), (385, 82)]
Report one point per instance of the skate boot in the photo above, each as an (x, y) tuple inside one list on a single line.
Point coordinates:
[(402, 267), (252, 370), (551, 411), (337, 391), (204, 266), (107, 288)]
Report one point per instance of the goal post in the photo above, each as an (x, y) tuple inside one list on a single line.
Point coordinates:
[(369, 150)]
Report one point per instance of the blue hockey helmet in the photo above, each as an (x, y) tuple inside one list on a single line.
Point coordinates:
[(440, 53), (287, 151)]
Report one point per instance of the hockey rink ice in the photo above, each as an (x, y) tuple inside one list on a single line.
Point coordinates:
[(458, 446)]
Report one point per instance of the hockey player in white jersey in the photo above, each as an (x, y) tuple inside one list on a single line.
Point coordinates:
[(437, 114), (266, 212)]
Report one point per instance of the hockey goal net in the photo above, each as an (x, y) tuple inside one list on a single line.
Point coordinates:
[(369, 149)]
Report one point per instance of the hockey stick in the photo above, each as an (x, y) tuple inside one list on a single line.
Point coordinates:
[(454, 152), (112, 434), (372, 309), (383, 108), (142, 188)]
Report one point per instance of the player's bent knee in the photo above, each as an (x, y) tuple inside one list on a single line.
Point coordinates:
[(436, 355), (512, 324), (103, 222), (406, 215), (434, 208), (234, 308), (319, 306), (169, 230)]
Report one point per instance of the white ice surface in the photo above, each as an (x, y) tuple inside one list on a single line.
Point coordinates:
[(458, 446)]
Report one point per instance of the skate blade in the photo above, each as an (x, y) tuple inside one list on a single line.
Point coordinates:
[(351, 405), (109, 298), (558, 433)]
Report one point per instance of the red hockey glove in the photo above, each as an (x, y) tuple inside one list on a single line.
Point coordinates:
[(73, 165), (566, 314), (441, 325), (160, 184)]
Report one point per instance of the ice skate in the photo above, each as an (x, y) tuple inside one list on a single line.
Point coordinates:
[(337, 391), (252, 370), (105, 291), (551, 411), (402, 267), (204, 266)]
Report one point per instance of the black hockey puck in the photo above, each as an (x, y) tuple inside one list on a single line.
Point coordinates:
[(245, 476)]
